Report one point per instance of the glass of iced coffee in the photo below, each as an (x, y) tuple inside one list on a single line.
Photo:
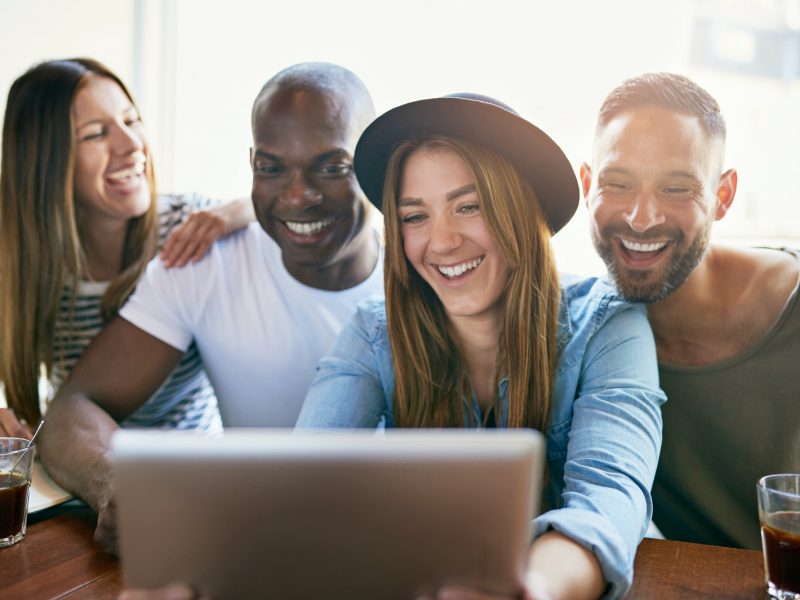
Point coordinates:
[(779, 514), (16, 466)]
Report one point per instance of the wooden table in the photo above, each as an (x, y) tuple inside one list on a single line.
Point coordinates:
[(58, 559)]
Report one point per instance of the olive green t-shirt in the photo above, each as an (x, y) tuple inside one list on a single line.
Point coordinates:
[(725, 426)]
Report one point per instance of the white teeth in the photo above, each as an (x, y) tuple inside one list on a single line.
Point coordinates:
[(640, 247), (458, 270), (136, 169), (308, 228)]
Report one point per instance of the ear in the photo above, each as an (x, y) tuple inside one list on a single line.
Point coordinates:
[(726, 190), (586, 181)]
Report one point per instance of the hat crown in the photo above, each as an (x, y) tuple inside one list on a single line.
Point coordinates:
[(482, 98), (481, 120)]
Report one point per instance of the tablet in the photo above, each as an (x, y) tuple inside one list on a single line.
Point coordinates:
[(338, 514)]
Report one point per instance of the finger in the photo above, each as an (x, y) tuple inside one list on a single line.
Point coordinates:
[(11, 426), (175, 591), (189, 250), (166, 252), (537, 587), (461, 593), (194, 239), (184, 234), (175, 242), (105, 534), (212, 230), (202, 250)]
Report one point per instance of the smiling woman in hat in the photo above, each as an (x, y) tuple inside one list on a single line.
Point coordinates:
[(478, 331)]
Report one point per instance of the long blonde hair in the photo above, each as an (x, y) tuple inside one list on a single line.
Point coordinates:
[(41, 243), (430, 380)]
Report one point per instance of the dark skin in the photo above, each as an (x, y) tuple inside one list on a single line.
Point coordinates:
[(302, 162), (76, 444)]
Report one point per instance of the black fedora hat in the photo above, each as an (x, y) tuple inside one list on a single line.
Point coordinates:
[(481, 120)]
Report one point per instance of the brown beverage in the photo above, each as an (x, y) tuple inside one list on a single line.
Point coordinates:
[(13, 504), (782, 550)]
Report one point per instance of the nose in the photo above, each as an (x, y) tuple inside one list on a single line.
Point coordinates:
[(299, 193), (644, 213), (127, 140), (444, 236)]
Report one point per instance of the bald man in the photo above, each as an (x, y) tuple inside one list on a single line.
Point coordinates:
[(263, 306)]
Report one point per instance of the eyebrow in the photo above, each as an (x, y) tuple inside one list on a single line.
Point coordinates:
[(627, 173), (267, 155), (451, 195), (338, 153), (614, 171), (462, 191), (88, 123), (130, 108), (409, 202), (686, 174)]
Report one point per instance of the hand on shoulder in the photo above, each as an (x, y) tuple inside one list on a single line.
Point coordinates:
[(191, 240)]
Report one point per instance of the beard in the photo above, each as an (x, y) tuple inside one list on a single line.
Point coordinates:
[(636, 285)]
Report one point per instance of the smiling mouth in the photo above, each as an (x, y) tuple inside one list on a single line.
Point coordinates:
[(642, 254), (308, 228), (126, 174), (641, 246), (456, 271)]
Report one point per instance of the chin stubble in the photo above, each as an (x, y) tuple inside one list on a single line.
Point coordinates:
[(632, 284)]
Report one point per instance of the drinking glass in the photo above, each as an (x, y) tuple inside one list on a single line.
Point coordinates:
[(779, 514), (16, 466)]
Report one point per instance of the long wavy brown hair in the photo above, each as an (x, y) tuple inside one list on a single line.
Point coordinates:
[(41, 244), (430, 377)]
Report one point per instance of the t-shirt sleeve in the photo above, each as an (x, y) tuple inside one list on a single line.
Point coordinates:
[(159, 306)]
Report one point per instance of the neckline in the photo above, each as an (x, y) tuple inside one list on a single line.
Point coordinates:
[(791, 304)]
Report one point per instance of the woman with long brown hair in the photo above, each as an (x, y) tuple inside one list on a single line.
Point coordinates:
[(478, 331), (79, 221)]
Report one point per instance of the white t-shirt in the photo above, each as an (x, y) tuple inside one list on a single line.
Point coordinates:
[(260, 332)]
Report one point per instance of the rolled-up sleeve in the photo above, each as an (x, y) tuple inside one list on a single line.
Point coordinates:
[(613, 447)]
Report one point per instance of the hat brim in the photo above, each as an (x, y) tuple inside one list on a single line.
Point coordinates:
[(532, 151)]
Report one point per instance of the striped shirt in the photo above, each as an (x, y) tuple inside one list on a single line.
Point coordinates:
[(186, 399)]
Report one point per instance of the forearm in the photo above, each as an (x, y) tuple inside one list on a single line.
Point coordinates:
[(235, 214), (75, 448), (561, 568)]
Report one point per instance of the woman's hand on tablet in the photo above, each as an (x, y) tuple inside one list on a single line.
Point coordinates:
[(558, 569), (536, 588)]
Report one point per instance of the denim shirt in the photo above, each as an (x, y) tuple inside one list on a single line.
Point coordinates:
[(604, 432)]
